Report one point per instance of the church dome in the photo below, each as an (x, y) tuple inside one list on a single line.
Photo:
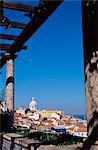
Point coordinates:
[(33, 104)]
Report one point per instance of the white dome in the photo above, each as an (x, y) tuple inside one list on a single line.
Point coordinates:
[(33, 101), (33, 104)]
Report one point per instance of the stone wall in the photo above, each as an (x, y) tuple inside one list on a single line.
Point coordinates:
[(13, 141)]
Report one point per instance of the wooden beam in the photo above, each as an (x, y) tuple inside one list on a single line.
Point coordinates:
[(8, 37), (1, 9), (17, 6), (0, 14), (15, 25), (34, 24), (7, 47)]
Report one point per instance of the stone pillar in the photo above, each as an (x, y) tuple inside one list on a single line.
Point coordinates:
[(10, 91), (91, 89), (90, 44), (88, 94)]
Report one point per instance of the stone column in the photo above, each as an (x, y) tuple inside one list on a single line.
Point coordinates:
[(88, 94), (91, 87), (10, 90), (90, 44)]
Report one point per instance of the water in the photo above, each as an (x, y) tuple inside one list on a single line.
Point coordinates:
[(80, 116)]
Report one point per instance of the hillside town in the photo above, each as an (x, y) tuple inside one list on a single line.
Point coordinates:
[(49, 120)]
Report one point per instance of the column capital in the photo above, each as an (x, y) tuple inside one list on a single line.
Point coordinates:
[(10, 56)]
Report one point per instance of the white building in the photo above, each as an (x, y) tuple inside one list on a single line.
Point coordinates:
[(21, 110), (56, 116), (35, 116), (80, 131), (80, 134)]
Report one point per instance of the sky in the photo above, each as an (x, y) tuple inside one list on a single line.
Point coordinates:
[(51, 69)]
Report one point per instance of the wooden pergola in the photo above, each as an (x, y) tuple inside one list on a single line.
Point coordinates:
[(40, 14), (37, 15)]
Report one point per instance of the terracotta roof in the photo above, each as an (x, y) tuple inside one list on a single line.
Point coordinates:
[(59, 121), (70, 129), (50, 125), (81, 130)]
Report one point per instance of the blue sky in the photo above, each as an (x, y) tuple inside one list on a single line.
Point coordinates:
[(51, 69)]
